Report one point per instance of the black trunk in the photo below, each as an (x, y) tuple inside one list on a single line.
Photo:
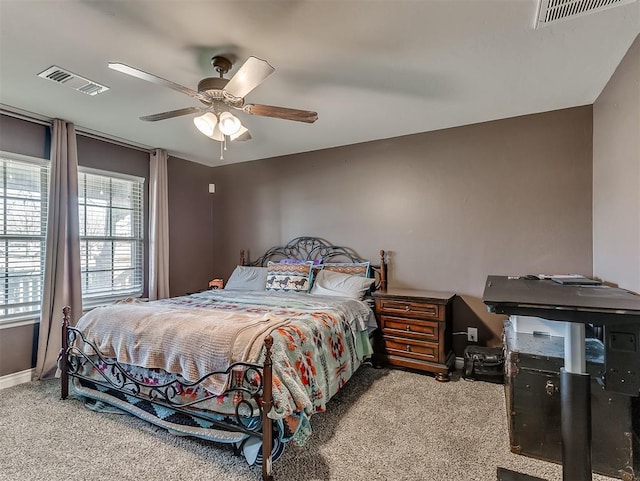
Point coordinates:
[(533, 399)]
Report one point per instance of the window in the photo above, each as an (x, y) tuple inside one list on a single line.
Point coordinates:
[(110, 207), (24, 194)]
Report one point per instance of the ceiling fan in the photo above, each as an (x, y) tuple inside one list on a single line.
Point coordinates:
[(220, 96)]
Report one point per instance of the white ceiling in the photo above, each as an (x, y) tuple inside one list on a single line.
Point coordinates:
[(371, 69)]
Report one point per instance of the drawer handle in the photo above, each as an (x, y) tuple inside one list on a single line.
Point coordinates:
[(408, 328), (550, 388), (408, 348), (407, 308)]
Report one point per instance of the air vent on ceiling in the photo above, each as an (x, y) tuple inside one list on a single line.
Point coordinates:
[(552, 11), (72, 80)]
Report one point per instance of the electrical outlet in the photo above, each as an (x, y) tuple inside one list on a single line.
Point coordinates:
[(472, 334)]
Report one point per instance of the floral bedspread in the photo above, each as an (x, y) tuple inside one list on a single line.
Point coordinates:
[(314, 353)]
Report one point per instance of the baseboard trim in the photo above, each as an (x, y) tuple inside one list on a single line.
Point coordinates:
[(16, 378)]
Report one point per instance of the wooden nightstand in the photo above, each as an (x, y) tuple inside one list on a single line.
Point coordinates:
[(416, 330)]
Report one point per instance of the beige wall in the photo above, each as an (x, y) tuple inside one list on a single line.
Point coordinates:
[(190, 230), (453, 206), (616, 176)]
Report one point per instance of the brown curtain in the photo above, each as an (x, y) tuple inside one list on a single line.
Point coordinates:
[(158, 226), (62, 265)]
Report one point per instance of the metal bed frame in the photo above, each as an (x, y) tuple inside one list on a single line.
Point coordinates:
[(248, 381)]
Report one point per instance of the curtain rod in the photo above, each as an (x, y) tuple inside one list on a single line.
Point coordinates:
[(24, 115), (42, 120), (112, 140)]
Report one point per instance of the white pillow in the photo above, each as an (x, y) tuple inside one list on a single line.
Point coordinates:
[(247, 278), (330, 283)]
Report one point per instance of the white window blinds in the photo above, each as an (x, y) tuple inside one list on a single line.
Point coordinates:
[(23, 217), (111, 235)]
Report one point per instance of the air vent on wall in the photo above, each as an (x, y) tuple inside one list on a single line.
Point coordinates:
[(552, 11), (72, 80)]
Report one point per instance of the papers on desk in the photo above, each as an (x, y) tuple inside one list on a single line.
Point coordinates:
[(574, 280), (570, 279), (564, 279)]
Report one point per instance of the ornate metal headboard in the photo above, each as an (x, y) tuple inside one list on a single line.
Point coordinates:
[(316, 249)]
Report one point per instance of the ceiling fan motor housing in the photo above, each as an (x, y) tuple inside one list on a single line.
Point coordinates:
[(212, 86)]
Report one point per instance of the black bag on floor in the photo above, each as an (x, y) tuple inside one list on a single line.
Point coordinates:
[(484, 364)]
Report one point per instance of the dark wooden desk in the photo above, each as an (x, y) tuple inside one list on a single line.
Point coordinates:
[(615, 309)]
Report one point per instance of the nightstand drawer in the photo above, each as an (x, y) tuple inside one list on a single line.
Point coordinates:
[(407, 327), (410, 348), (421, 310), (415, 330)]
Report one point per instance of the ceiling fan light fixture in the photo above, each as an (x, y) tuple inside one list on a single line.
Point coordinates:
[(241, 134), (205, 123), (229, 123), (217, 135), (219, 95)]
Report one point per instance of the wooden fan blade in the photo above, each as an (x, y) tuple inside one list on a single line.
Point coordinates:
[(172, 113), (248, 77), (134, 72), (281, 113)]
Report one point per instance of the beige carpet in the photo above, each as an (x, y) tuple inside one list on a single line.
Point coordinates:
[(384, 425)]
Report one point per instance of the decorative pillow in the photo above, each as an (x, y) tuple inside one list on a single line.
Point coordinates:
[(289, 277), (247, 278), (352, 268), (330, 283)]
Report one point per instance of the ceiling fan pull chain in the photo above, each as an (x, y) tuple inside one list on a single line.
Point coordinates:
[(221, 152)]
